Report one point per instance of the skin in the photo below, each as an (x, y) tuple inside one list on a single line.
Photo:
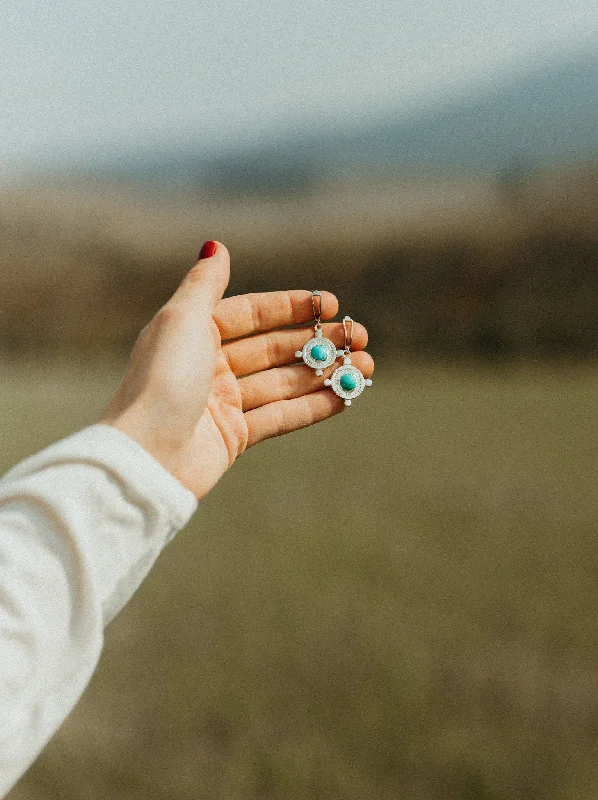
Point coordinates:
[(209, 377)]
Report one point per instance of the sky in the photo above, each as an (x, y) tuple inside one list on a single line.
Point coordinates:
[(80, 77)]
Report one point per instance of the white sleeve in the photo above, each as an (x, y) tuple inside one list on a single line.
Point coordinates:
[(81, 524)]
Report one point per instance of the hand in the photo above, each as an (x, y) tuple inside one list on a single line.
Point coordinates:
[(209, 377)]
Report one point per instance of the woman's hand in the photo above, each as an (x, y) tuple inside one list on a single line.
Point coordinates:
[(210, 377)]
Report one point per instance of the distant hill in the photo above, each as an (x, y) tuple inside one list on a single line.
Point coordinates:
[(545, 116), (548, 115)]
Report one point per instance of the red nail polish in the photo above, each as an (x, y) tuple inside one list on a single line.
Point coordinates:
[(208, 249)]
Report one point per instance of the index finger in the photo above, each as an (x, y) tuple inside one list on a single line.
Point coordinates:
[(246, 314)]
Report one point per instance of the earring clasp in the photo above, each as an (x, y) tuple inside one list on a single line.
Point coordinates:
[(317, 307), (348, 333)]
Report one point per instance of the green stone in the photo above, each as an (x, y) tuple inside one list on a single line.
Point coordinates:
[(319, 352), (348, 382)]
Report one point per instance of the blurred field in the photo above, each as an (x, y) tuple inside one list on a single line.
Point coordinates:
[(436, 266), (399, 603)]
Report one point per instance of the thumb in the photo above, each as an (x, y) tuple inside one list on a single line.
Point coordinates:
[(206, 282)]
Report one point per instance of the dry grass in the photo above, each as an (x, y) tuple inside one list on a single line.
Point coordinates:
[(400, 603), (433, 267)]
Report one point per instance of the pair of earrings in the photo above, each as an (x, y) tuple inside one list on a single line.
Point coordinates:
[(319, 352)]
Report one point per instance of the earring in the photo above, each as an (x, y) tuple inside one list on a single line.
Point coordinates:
[(347, 381), (319, 352)]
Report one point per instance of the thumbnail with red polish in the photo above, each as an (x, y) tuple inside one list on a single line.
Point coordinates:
[(208, 249)]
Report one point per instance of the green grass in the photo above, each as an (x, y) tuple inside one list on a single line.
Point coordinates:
[(399, 603)]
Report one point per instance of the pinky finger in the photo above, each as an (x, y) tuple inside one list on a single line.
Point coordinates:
[(284, 416)]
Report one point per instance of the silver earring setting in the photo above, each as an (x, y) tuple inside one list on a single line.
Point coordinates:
[(319, 352), (347, 381)]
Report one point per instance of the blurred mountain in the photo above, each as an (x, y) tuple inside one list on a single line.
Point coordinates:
[(547, 115)]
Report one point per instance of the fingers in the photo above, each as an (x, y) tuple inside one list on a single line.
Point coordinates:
[(285, 416), (206, 282), (277, 348), (287, 383), (253, 313)]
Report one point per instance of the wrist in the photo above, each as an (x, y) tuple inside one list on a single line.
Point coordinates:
[(157, 440)]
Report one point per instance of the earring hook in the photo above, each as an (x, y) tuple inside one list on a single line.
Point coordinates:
[(348, 333), (317, 311)]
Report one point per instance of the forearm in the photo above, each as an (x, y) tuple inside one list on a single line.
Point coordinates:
[(81, 524)]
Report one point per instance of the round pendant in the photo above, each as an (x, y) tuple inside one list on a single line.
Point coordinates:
[(318, 353), (347, 382)]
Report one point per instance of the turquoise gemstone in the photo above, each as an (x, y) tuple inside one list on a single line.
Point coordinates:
[(348, 382), (319, 353)]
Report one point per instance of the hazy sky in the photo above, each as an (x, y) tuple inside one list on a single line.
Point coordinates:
[(77, 76)]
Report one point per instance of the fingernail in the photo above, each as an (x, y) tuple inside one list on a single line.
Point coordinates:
[(208, 249)]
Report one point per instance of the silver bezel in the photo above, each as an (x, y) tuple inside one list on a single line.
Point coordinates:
[(336, 384), (311, 362)]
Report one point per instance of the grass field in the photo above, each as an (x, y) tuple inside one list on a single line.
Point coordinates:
[(399, 603), (433, 266)]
